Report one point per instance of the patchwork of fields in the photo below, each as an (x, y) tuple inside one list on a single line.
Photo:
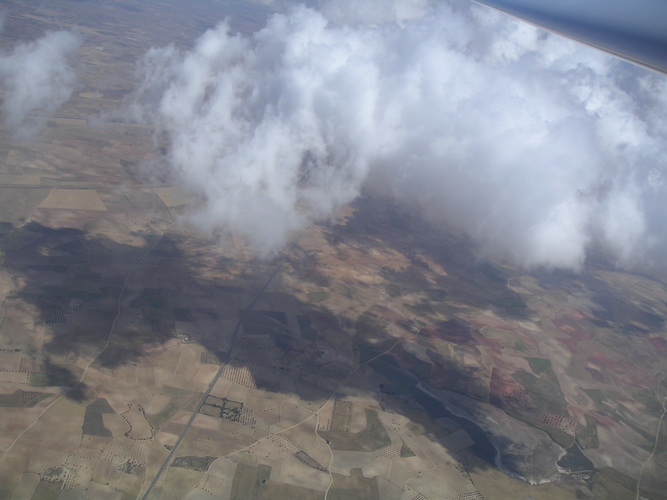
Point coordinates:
[(375, 358)]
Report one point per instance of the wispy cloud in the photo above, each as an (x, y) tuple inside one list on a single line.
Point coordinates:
[(36, 79), (534, 145)]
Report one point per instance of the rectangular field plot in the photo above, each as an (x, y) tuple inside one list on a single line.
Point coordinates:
[(73, 199), (14, 377)]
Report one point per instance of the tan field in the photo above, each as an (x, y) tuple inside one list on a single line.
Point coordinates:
[(140, 358)]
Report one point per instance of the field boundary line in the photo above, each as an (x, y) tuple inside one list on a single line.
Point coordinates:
[(106, 345)]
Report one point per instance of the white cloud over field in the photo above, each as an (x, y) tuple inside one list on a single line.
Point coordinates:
[(36, 79), (534, 145)]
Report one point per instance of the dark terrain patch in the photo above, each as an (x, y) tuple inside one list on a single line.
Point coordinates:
[(200, 464), (93, 420)]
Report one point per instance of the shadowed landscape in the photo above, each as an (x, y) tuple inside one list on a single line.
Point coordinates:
[(376, 357)]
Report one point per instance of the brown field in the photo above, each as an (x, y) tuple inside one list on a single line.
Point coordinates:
[(115, 317), (356, 485), (373, 437), (73, 199)]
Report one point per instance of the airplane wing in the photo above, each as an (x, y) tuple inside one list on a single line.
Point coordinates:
[(634, 30)]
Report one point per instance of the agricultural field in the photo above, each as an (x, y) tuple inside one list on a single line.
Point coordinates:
[(375, 358)]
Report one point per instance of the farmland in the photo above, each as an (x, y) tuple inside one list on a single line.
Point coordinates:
[(374, 358)]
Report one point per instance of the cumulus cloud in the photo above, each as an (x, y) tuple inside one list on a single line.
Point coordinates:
[(354, 12), (534, 145), (36, 79)]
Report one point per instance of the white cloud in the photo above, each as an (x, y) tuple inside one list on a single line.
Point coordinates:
[(534, 145), (37, 78), (355, 12)]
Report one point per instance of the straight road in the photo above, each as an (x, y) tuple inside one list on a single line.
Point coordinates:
[(214, 380)]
